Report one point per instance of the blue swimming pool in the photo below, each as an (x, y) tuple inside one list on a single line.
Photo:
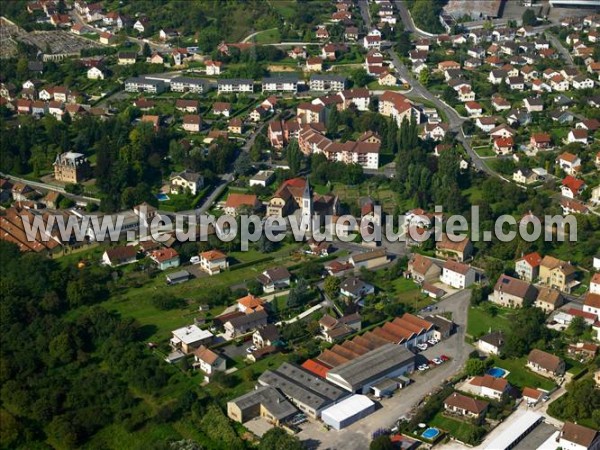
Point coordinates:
[(497, 372), (431, 433), (161, 197)]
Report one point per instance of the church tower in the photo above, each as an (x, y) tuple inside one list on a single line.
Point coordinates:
[(307, 211)]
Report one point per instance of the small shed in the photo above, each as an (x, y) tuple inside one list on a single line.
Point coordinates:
[(180, 276), (384, 388)]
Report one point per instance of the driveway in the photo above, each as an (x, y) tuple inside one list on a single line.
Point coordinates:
[(358, 435), (233, 351)]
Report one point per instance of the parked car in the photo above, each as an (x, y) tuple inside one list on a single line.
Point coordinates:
[(444, 358), (422, 346), (195, 260), (437, 361), (251, 349)]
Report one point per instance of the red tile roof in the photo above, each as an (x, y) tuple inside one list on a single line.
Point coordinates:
[(533, 259), (313, 366)]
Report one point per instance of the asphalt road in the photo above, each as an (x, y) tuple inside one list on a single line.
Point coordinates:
[(364, 12), (51, 187), (358, 435), (455, 121), (566, 56), (407, 20)]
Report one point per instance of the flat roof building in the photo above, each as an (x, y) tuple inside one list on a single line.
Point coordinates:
[(348, 411), (520, 427)]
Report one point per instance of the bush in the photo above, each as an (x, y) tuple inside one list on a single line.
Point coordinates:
[(166, 303)]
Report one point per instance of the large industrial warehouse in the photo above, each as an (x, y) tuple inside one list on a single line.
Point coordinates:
[(307, 392), (359, 374)]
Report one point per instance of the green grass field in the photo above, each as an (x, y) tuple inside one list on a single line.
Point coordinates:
[(285, 7), (136, 302), (456, 428), (484, 152), (268, 37), (481, 322)]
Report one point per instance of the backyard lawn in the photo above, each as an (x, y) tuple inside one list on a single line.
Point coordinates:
[(456, 428), (484, 151), (521, 377), (481, 322)]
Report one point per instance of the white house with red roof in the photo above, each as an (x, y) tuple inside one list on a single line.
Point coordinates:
[(165, 258), (532, 396), (528, 266), (572, 187), (504, 146), (569, 162), (213, 261), (457, 275), (473, 108), (591, 304), (578, 135), (540, 141), (213, 67), (595, 284)]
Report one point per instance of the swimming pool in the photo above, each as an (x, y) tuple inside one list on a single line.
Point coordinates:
[(497, 372), (431, 433), (161, 197)]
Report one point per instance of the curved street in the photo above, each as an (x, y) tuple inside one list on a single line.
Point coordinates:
[(454, 120)]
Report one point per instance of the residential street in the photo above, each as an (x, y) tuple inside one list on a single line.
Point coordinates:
[(454, 120), (406, 18), (52, 187), (564, 53), (364, 12), (358, 435)]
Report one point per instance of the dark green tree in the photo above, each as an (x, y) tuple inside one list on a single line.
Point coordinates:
[(529, 18)]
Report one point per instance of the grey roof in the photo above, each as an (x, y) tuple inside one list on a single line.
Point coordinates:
[(495, 338), (302, 386), (277, 274), (354, 285), (563, 100), (235, 81), (142, 80), (535, 101), (188, 80), (248, 318), (270, 398), (269, 332), (35, 66), (281, 79), (441, 323), (372, 365), (187, 175), (327, 77), (179, 274)]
